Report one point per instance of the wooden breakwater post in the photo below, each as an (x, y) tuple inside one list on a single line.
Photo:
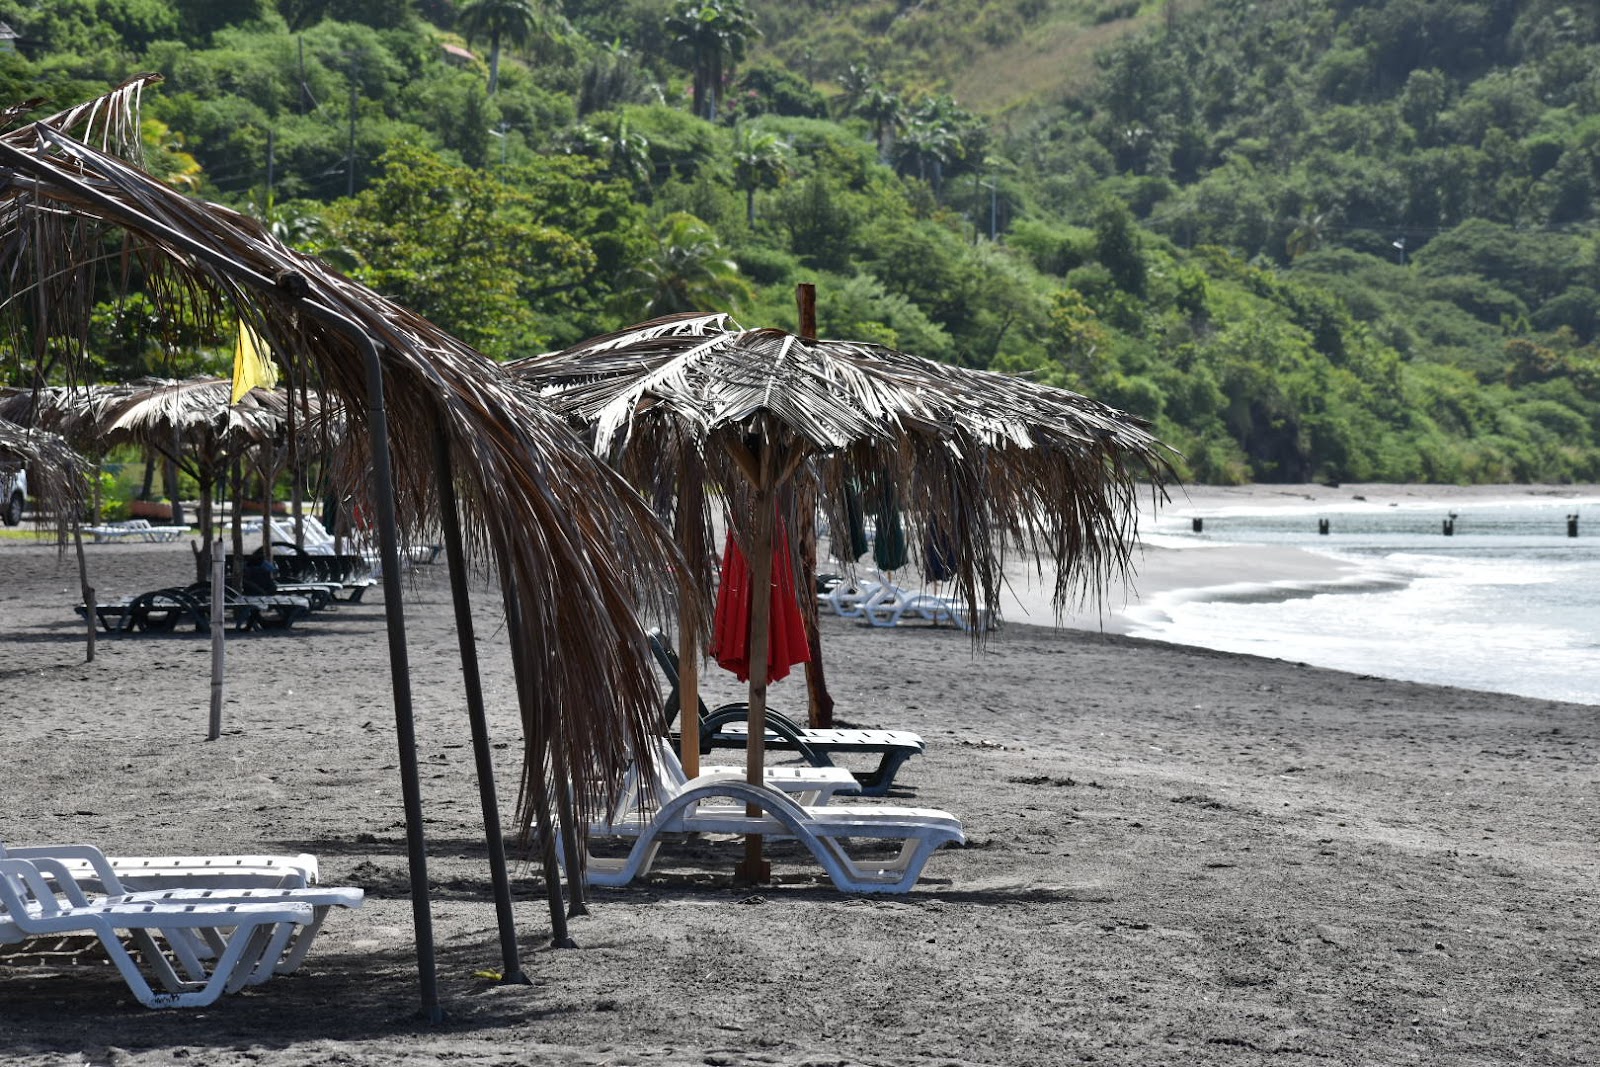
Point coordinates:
[(1572, 525)]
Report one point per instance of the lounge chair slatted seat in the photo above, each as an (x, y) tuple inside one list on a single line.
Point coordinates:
[(725, 727), (134, 873), (137, 530)]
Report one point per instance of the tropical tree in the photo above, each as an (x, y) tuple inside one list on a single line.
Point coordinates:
[(935, 132), (759, 162), (883, 108), (688, 270), (712, 32), (514, 22), (857, 80), (621, 150)]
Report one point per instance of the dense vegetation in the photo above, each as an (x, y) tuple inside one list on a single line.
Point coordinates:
[(1310, 239)]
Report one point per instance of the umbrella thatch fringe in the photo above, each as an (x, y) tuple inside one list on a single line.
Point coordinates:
[(580, 552), (57, 476), (990, 465)]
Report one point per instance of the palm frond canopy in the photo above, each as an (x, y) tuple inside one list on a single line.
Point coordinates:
[(195, 416), (577, 553), (55, 472), (74, 412), (987, 463)]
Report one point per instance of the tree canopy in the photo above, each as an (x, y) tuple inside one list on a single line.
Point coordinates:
[(1312, 239)]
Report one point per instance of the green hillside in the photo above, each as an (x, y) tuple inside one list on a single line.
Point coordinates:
[(1309, 239)]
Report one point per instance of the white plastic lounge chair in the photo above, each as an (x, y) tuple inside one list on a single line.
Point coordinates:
[(892, 611), (137, 530), (138, 873), (849, 598), (83, 870), (30, 908), (717, 804)]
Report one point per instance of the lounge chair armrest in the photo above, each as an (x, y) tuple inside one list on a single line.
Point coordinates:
[(55, 854), (778, 724)]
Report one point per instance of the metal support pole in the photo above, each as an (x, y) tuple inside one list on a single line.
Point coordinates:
[(538, 791), (577, 895), (455, 553), (400, 673)]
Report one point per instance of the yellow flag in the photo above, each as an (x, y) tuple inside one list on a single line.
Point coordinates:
[(252, 366)]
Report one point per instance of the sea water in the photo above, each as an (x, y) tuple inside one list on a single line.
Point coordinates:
[(1507, 603)]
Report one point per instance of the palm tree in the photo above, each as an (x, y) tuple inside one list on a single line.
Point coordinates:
[(936, 133), (711, 31), (689, 271), (759, 162), (1308, 233), (625, 153), (857, 80), (884, 109), (510, 21)]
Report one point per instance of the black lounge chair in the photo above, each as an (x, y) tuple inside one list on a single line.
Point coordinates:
[(157, 611), (725, 727), (278, 612)]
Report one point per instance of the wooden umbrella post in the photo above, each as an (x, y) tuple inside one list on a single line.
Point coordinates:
[(754, 869), (691, 500), (820, 704)]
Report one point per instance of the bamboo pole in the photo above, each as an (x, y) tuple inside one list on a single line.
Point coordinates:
[(218, 631)]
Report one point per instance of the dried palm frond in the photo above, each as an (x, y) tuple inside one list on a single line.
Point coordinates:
[(578, 554), (984, 462), (55, 474)]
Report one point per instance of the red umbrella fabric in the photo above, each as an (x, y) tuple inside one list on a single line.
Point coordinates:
[(730, 637)]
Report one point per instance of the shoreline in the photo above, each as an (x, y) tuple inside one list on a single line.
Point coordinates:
[(1167, 567)]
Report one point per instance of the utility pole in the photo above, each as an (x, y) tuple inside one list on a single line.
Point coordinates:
[(993, 208), (272, 142)]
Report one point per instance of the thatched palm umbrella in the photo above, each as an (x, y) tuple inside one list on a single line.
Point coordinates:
[(57, 487), (577, 554), (56, 473), (192, 423), (989, 463)]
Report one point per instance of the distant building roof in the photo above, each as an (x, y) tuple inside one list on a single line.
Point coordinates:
[(455, 51)]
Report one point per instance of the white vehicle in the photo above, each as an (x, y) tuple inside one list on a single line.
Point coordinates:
[(13, 495)]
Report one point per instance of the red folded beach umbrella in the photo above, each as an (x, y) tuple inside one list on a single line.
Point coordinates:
[(730, 637)]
